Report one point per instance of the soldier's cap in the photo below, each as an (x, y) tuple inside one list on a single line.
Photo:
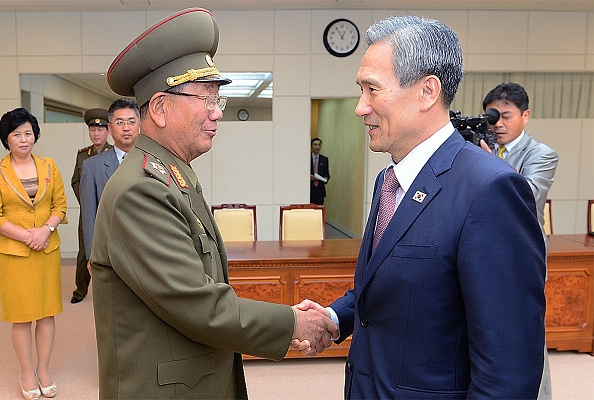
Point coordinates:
[(176, 50), (96, 117)]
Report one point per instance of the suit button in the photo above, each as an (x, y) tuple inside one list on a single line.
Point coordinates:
[(364, 322)]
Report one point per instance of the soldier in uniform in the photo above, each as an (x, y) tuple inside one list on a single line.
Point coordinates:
[(168, 324), (97, 121)]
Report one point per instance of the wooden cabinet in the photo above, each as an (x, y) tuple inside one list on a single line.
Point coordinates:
[(287, 272), (570, 293)]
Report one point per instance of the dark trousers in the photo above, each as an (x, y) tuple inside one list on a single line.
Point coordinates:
[(316, 194), (82, 277)]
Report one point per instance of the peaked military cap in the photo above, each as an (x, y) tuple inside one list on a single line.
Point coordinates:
[(176, 50), (96, 117)]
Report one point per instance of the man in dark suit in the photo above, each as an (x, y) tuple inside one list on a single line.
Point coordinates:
[(448, 299), (169, 325), (319, 173), (124, 125), (534, 160), (97, 121)]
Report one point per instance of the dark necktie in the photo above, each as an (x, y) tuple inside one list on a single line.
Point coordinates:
[(316, 182), (387, 205)]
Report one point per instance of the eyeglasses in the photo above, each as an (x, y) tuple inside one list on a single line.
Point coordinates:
[(212, 99), (131, 122)]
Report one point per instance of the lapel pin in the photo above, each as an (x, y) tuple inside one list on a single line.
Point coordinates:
[(419, 196)]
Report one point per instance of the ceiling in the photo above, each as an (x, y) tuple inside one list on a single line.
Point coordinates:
[(97, 82), (247, 89), (128, 5)]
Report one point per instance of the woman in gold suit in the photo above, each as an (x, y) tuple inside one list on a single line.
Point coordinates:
[(32, 204)]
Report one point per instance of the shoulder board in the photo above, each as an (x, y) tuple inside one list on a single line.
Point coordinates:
[(84, 149), (108, 147), (179, 179), (153, 167)]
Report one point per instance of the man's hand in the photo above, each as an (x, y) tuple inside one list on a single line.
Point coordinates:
[(306, 346), (314, 331)]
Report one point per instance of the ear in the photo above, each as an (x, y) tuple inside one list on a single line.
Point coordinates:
[(430, 92), (526, 116), (157, 109)]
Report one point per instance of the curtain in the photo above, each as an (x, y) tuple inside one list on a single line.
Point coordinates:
[(551, 95)]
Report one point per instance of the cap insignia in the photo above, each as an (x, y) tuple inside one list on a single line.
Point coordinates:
[(192, 75), (178, 176), (97, 121)]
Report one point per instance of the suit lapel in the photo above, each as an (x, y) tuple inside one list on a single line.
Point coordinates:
[(44, 175), (111, 162), (194, 196), (518, 150), (182, 181), (420, 194), (11, 178)]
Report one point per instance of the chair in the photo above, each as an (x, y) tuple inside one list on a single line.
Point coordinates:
[(591, 217), (302, 222), (237, 222), (548, 218)]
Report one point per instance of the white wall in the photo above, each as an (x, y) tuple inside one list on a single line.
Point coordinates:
[(263, 162)]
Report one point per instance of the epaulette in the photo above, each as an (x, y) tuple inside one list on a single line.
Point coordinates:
[(84, 149), (154, 168)]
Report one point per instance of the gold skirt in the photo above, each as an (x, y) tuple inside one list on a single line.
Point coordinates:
[(30, 287)]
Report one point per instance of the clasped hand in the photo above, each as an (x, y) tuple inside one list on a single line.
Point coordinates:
[(38, 239), (315, 329)]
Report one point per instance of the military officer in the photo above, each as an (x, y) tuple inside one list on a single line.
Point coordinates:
[(97, 121), (168, 323)]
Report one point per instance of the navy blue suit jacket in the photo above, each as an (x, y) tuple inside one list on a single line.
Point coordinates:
[(95, 173), (451, 304)]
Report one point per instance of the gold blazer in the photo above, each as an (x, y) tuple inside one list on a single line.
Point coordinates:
[(16, 206)]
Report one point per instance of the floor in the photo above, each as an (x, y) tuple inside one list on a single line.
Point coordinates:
[(333, 233), (74, 364)]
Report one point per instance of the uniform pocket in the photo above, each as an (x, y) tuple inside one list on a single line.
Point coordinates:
[(188, 371)]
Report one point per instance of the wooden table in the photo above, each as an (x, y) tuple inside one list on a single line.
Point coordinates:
[(570, 293), (287, 272)]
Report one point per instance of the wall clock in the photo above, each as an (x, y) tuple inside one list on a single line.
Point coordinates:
[(243, 114), (341, 37)]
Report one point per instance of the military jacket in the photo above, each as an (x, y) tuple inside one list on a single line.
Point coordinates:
[(81, 156), (168, 323)]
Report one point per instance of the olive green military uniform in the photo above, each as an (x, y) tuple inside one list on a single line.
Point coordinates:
[(82, 277), (168, 324)]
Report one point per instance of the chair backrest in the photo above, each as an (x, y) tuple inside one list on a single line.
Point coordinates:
[(591, 217), (302, 222), (548, 218), (237, 222)]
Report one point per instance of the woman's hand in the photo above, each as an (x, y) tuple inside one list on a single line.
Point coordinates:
[(39, 238)]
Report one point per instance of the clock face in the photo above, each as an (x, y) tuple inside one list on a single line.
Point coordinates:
[(243, 114), (341, 37)]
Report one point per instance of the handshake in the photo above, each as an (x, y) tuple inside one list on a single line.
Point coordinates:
[(314, 330)]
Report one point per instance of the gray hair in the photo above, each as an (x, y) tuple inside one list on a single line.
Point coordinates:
[(421, 47)]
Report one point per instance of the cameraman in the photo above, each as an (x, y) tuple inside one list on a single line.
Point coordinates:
[(536, 161)]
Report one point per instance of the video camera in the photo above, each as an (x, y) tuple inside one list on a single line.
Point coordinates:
[(474, 129)]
